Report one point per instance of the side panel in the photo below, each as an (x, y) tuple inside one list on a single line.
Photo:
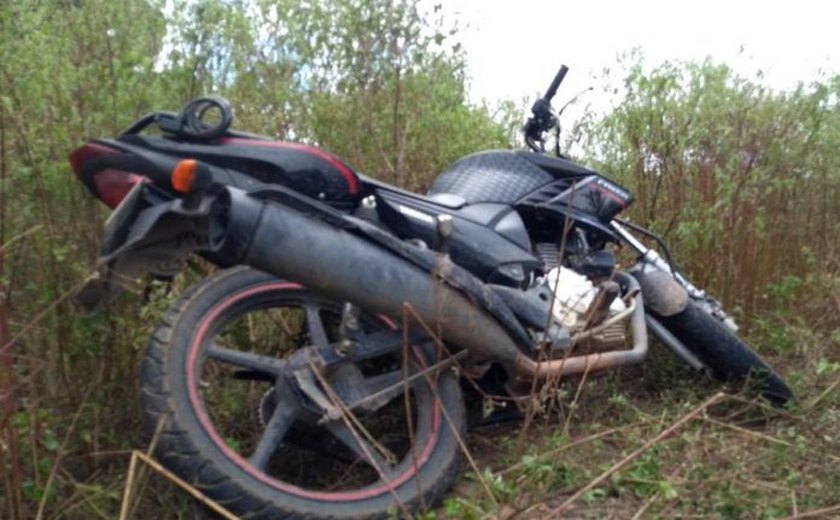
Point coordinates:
[(591, 202), (478, 248)]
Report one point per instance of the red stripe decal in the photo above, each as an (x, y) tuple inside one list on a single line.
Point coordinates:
[(610, 194), (348, 174)]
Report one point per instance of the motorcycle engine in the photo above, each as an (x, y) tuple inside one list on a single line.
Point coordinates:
[(574, 297)]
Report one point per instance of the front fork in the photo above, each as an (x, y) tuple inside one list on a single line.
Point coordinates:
[(650, 259)]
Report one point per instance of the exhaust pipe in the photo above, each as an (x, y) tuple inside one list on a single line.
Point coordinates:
[(328, 258), (327, 253)]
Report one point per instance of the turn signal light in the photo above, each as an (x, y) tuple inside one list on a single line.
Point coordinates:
[(184, 175)]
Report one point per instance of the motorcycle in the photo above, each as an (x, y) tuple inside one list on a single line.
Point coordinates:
[(318, 374)]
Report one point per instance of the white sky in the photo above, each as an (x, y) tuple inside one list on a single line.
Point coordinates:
[(514, 48)]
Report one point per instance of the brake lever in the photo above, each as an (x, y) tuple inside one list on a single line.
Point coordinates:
[(543, 118), (541, 121), (534, 136)]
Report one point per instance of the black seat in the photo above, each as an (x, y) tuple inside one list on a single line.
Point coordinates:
[(303, 168)]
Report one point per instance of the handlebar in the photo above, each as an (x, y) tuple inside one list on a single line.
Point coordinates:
[(555, 84), (542, 119)]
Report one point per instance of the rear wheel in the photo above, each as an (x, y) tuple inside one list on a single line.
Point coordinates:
[(254, 442), (729, 358)]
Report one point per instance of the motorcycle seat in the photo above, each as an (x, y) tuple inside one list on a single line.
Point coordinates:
[(449, 200), (302, 168)]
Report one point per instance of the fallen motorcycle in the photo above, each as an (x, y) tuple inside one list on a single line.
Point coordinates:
[(317, 374)]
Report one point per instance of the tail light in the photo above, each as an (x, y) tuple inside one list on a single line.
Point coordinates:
[(113, 185), (110, 185)]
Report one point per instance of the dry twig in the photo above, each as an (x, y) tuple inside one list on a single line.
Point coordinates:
[(816, 401), (760, 435), (139, 456), (408, 309), (57, 463), (816, 513), (573, 444), (628, 459)]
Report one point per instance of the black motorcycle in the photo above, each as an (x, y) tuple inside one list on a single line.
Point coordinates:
[(319, 373)]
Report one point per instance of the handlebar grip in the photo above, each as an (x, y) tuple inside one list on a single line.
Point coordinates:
[(552, 89)]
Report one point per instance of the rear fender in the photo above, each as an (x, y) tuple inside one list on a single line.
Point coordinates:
[(145, 236)]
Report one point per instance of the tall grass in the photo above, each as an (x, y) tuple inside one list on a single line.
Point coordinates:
[(743, 181)]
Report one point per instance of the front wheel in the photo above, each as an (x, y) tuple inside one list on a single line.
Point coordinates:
[(729, 358), (254, 443)]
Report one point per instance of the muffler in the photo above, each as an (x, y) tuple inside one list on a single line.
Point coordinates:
[(336, 256)]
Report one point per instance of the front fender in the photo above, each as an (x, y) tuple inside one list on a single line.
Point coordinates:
[(663, 295)]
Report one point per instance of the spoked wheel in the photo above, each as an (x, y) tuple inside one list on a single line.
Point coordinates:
[(251, 419)]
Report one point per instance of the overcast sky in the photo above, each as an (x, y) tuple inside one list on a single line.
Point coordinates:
[(515, 47)]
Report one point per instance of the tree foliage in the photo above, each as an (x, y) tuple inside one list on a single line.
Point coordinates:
[(371, 80), (743, 181), (376, 82)]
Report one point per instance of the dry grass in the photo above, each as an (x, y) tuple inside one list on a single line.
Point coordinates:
[(653, 443)]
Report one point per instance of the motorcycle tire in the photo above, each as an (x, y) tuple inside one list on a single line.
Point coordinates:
[(729, 359), (208, 421)]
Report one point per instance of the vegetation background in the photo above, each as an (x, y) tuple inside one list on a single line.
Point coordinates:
[(741, 180)]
